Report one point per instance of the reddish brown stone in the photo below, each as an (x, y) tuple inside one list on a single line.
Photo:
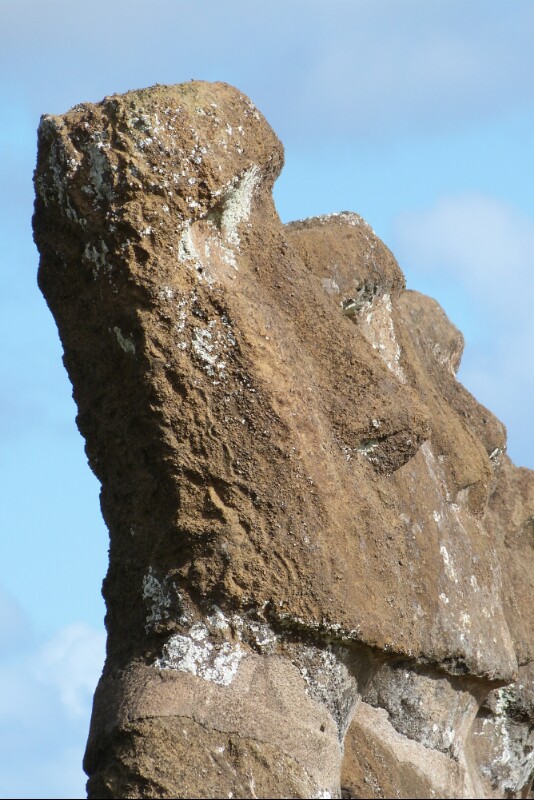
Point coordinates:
[(311, 522)]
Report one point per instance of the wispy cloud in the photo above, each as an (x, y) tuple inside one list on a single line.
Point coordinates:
[(486, 246), (14, 623), (386, 66), (70, 663), (45, 705), (356, 69)]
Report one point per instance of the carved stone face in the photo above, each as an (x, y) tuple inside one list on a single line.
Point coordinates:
[(303, 503), (286, 432)]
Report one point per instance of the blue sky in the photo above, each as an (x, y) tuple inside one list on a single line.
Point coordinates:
[(417, 114)]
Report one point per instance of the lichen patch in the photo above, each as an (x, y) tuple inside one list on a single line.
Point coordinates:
[(213, 661)]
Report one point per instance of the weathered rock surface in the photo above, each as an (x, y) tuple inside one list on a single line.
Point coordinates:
[(321, 559)]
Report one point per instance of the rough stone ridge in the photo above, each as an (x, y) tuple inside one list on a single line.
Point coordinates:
[(321, 558)]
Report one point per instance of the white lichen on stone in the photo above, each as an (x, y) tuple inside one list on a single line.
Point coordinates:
[(202, 346), (335, 629), (253, 630), (377, 326), (218, 619), (346, 217), (166, 293), (97, 257), (209, 344), (162, 599), (495, 456), (264, 637), (367, 448), (62, 167), (99, 166), (126, 344), (448, 563), (505, 697), (330, 285), (213, 661), (186, 248), (157, 596), (510, 746), (189, 255), (237, 204), (205, 344), (328, 682), (465, 619)]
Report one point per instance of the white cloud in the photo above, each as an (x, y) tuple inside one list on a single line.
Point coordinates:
[(45, 706), (486, 245), (14, 622), (479, 252), (323, 68), (383, 66), (380, 67), (71, 663)]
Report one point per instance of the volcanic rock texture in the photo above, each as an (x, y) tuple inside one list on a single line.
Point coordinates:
[(321, 558)]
